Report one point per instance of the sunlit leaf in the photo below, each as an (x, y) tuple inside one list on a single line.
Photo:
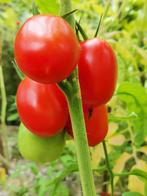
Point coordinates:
[(143, 149), (135, 183), (3, 175), (117, 140), (13, 117), (97, 154), (142, 52), (135, 96), (142, 174), (120, 164), (48, 6), (9, 18), (4, 1), (112, 128)]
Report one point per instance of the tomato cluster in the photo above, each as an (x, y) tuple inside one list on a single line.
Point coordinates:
[(47, 51)]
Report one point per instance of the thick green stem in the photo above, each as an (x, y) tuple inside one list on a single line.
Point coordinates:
[(109, 168), (78, 126), (82, 149), (65, 7), (72, 90)]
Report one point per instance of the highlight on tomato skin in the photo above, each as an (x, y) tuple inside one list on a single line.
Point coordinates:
[(96, 121), (42, 107), (97, 72), (46, 48)]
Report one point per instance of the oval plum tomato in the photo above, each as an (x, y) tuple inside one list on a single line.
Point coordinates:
[(97, 72), (41, 107), (46, 48), (96, 121), (38, 149)]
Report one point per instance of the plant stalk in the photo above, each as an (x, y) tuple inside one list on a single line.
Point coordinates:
[(109, 168), (3, 130), (71, 89)]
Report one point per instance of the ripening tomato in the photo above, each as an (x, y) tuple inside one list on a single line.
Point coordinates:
[(97, 72), (96, 121), (41, 107), (38, 149), (46, 48)]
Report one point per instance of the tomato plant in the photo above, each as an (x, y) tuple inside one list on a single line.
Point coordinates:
[(42, 107), (97, 71), (96, 121), (46, 48), (38, 149)]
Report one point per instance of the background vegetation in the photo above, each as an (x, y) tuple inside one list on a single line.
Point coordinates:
[(124, 26)]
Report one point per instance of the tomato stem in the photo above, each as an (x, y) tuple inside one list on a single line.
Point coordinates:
[(109, 168), (66, 7), (73, 95)]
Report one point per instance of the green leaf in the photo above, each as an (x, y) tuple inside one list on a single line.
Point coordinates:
[(4, 1), (13, 117), (61, 189), (131, 194), (48, 6), (35, 10), (34, 169), (145, 189), (135, 96), (98, 27), (69, 13), (80, 29), (140, 173), (102, 18)]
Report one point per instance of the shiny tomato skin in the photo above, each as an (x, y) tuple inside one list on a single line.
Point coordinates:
[(97, 72), (46, 48), (96, 121), (42, 107)]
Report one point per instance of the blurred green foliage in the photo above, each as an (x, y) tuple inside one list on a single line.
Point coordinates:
[(124, 26)]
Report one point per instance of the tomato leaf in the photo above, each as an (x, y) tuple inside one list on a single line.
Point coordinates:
[(140, 173), (120, 164), (98, 27), (13, 117), (80, 29), (135, 96), (35, 10), (138, 177), (69, 13)]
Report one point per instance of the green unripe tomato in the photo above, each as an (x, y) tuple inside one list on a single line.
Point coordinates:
[(40, 149)]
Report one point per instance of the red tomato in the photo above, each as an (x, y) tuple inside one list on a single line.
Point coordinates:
[(97, 72), (42, 107), (46, 48), (96, 124)]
